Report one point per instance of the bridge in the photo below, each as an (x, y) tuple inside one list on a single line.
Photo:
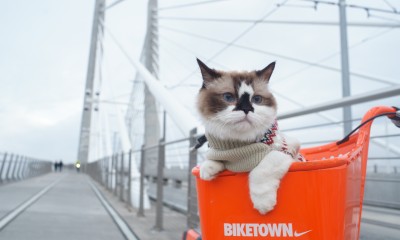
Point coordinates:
[(135, 155)]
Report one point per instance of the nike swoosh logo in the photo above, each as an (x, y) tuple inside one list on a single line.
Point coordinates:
[(300, 234)]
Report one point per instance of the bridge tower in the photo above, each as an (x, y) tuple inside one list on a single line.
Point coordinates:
[(88, 107), (151, 118)]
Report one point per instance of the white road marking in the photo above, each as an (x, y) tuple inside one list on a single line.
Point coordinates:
[(14, 213), (125, 229)]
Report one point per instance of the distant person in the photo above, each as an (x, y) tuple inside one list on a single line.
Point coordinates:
[(60, 165), (55, 166)]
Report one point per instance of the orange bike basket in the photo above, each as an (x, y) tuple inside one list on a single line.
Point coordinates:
[(320, 199)]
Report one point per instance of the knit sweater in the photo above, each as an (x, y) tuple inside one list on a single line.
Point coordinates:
[(243, 156)]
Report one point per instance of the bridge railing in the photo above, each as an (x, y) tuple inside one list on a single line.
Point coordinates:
[(165, 175), (14, 167), (113, 172)]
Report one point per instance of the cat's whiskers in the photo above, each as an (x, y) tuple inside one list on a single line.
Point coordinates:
[(227, 117), (258, 119)]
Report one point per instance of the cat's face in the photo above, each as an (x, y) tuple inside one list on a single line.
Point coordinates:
[(236, 105)]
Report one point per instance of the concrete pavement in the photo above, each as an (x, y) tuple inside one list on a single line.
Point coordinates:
[(69, 210)]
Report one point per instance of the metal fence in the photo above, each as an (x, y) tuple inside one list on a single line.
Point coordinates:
[(383, 190), (173, 185), (14, 167), (165, 185), (114, 174)]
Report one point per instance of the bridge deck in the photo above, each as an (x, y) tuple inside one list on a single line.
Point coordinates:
[(66, 206), (72, 206)]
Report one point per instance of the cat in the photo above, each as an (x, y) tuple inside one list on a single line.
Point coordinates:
[(239, 115)]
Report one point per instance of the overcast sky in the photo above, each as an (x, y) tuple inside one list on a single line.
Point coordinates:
[(44, 48)]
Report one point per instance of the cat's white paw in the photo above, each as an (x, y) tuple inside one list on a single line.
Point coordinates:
[(210, 168), (264, 197), (264, 180)]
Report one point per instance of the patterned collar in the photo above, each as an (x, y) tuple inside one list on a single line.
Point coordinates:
[(279, 143), (270, 134)]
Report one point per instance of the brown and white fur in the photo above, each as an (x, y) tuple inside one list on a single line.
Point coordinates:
[(239, 106)]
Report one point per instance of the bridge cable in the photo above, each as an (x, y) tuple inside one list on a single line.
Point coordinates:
[(113, 4), (187, 49), (278, 55), (390, 5), (323, 23), (362, 41), (231, 43), (365, 8), (190, 4)]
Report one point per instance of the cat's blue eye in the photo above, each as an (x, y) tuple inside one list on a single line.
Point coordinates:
[(228, 97), (257, 99)]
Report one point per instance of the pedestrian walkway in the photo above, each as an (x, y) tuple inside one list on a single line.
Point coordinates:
[(69, 210), (66, 206), (70, 205)]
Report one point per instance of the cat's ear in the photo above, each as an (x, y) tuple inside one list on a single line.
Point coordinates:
[(266, 73), (207, 73)]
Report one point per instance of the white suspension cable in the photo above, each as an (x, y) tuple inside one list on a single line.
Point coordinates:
[(313, 23), (390, 5), (113, 4), (365, 8), (388, 82), (190, 4), (238, 37), (280, 80), (180, 115), (187, 49)]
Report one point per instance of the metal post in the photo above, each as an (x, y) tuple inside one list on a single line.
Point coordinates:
[(2, 167), (121, 176), (8, 167), (26, 169), (16, 166), (29, 168), (113, 173), (93, 170), (141, 194), (347, 125), (129, 200), (39, 167), (116, 174), (192, 216), (18, 173), (34, 168), (108, 173), (12, 167), (103, 171), (99, 171), (160, 186), (21, 173), (84, 139)]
